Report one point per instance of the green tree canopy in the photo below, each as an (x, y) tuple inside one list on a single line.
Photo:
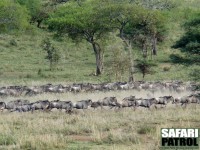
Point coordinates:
[(190, 41), (38, 10), (12, 16), (136, 25)]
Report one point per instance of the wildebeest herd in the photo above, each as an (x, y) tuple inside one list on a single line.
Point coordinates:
[(177, 86), (20, 105), (111, 102)]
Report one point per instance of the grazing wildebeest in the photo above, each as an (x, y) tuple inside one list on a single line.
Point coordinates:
[(108, 101), (145, 102), (164, 100), (2, 106), (83, 104), (40, 105), (67, 105)]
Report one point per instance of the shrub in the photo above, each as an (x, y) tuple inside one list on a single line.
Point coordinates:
[(194, 74), (145, 130), (13, 42), (166, 68)]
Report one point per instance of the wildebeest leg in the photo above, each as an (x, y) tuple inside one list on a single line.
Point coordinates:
[(185, 105), (68, 111), (102, 107), (32, 109), (135, 107)]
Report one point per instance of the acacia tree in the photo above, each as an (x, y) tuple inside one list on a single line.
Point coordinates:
[(84, 21), (136, 25), (121, 14)]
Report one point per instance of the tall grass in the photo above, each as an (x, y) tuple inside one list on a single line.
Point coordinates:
[(93, 129)]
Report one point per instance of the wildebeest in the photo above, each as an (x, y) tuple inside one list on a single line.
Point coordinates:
[(13, 104), (130, 98), (126, 103), (108, 101), (55, 88), (96, 104), (2, 106), (83, 104), (67, 105), (34, 90), (187, 100), (145, 102), (40, 105), (164, 100), (23, 108)]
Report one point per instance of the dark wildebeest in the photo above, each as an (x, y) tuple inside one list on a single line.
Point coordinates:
[(67, 105), (83, 104), (2, 106), (40, 105), (108, 101), (23, 108), (164, 100), (96, 104), (145, 102)]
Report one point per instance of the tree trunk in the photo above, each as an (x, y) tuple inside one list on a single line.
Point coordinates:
[(154, 44), (51, 65), (129, 46), (144, 49), (99, 58), (131, 77), (39, 23)]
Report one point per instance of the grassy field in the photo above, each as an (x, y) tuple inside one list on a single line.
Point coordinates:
[(93, 129)]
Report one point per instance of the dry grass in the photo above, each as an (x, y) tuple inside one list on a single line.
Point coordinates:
[(93, 129)]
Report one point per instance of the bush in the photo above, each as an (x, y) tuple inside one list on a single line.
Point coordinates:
[(194, 74), (145, 130), (166, 68), (145, 67), (13, 42)]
